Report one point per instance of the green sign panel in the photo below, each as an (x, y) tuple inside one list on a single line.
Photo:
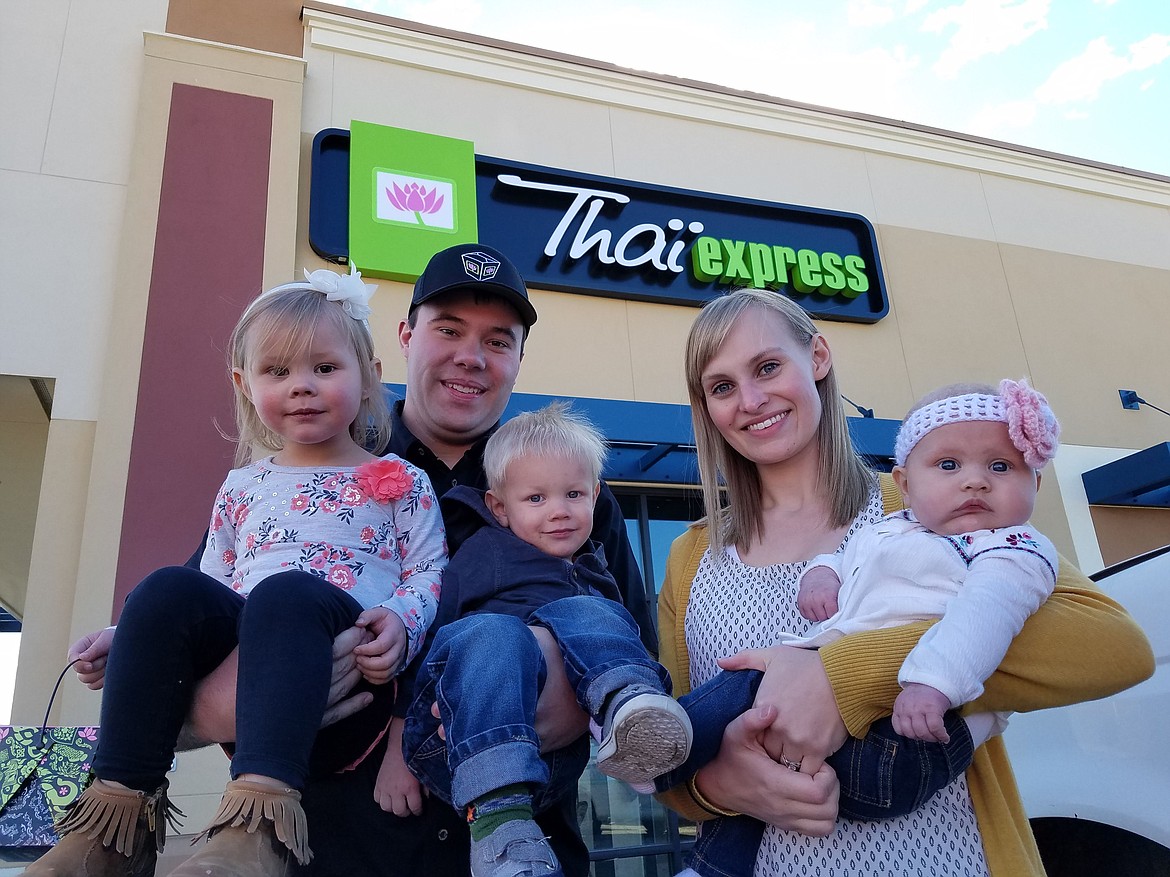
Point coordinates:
[(410, 195)]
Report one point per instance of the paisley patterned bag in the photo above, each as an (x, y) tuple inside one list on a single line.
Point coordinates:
[(42, 771)]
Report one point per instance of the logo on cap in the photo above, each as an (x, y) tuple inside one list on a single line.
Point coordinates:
[(481, 266)]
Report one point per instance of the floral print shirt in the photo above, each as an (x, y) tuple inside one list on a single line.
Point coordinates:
[(374, 530)]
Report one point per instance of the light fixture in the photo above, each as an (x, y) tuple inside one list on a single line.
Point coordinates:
[(1132, 401), (864, 412)]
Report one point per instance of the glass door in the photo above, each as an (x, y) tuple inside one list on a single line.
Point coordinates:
[(632, 835)]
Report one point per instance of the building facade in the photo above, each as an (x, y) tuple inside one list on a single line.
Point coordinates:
[(158, 171)]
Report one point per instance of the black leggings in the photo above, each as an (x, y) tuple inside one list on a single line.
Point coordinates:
[(179, 624)]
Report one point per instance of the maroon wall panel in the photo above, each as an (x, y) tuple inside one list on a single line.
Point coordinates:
[(208, 264)]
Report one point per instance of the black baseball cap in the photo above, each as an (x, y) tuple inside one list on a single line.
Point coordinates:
[(475, 268)]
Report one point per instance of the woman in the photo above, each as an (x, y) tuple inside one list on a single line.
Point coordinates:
[(769, 423)]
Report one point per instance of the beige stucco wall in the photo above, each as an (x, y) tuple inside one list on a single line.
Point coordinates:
[(998, 263), (1010, 261), (94, 508), (24, 431)]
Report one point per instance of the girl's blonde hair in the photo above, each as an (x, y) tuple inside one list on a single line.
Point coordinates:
[(555, 430), (843, 474), (284, 320)]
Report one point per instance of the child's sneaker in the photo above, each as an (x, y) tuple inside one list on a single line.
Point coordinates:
[(645, 734), (515, 849)]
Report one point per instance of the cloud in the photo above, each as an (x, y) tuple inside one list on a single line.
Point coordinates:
[(1081, 78), (983, 27), (869, 13), (778, 54), (999, 119), (758, 46)]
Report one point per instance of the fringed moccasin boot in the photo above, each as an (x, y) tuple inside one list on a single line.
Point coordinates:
[(257, 832), (109, 832)]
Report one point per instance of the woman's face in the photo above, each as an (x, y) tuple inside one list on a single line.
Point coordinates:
[(761, 389)]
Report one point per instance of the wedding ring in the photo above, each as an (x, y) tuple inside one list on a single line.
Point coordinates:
[(791, 765)]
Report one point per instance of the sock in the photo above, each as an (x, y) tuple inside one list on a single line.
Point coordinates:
[(488, 813)]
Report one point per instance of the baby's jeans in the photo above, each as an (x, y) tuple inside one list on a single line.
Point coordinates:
[(882, 775)]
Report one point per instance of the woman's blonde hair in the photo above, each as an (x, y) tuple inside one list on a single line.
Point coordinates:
[(555, 430), (843, 474), (284, 320)]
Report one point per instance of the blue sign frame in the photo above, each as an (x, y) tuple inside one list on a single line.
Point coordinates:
[(583, 233)]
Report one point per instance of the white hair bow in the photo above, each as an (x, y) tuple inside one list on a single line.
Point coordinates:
[(348, 289)]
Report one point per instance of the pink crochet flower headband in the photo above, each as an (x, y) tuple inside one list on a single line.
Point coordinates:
[(1032, 426)]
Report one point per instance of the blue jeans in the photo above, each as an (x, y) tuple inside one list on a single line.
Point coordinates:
[(178, 625), (882, 775), (486, 672)]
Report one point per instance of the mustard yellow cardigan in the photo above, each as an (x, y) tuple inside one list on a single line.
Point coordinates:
[(1080, 645)]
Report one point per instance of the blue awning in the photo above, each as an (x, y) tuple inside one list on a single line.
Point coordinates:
[(652, 442), (1141, 479)]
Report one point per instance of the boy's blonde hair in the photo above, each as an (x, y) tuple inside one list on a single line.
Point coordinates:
[(285, 320), (843, 474), (555, 430)]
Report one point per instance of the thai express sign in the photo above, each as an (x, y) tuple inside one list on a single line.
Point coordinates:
[(413, 194)]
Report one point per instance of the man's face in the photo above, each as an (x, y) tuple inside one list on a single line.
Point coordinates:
[(462, 358)]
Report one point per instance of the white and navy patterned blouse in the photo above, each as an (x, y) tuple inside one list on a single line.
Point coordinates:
[(733, 606)]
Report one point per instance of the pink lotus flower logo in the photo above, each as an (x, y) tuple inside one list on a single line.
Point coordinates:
[(413, 198)]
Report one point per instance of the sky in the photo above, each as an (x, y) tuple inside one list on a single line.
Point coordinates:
[(1085, 78)]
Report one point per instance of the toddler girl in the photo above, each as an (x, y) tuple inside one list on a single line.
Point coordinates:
[(303, 544)]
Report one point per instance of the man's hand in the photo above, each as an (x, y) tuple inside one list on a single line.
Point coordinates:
[(212, 716), (344, 677), (380, 658), (918, 713), (559, 718), (91, 653), (817, 597)]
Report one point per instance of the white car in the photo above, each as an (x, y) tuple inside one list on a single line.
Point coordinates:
[(1095, 777)]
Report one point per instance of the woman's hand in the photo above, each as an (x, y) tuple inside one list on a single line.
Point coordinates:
[(744, 778), (91, 653), (808, 726)]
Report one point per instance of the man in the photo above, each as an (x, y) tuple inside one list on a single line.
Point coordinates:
[(463, 341)]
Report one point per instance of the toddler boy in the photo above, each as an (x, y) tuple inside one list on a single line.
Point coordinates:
[(531, 563)]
